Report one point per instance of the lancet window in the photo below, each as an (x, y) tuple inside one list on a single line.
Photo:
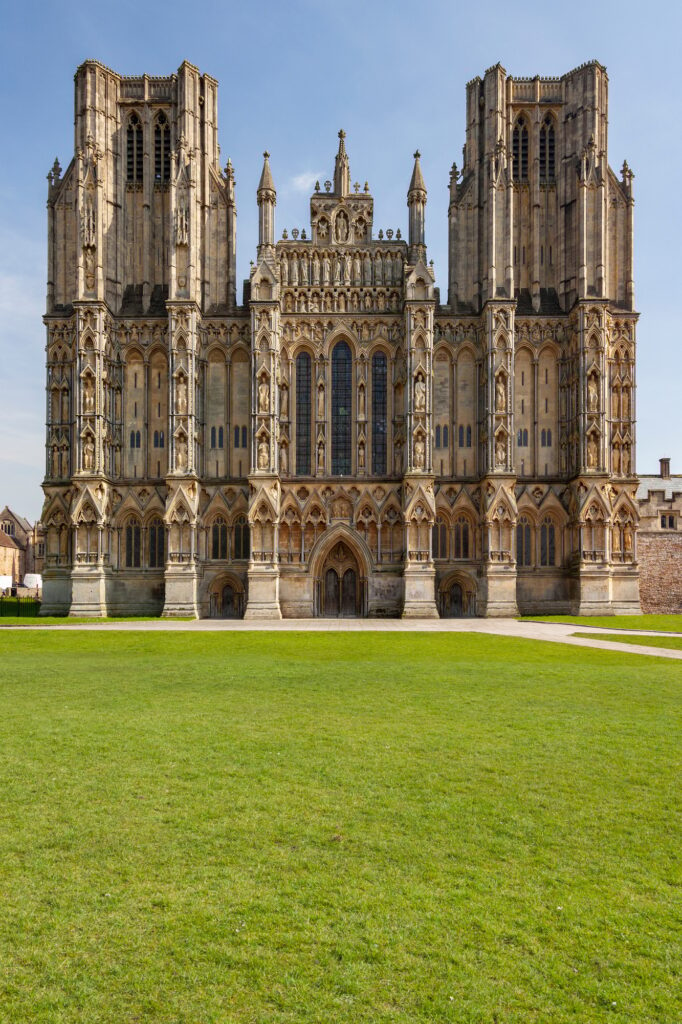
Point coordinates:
[(134, 149), (342, 399), (523, 542), (379, 413), (303, 413), (520, 150), (161, 149), (157, 543), (547, 150)]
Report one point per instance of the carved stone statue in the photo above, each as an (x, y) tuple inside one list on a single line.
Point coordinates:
[(263, 395), (320, 402), (346, 270), (55, 461), (316, 269), (304, 269), (500, 452), (284, 400), (320, 457), (419, 393), (361, 403), (181, 396), (388, 269), (263, 454), (88, 395), (284, 459), (357, 269), (592, 393), (293, 277), (626, 460), (338, 269), (378, 270), (592, 452), (367, 270), (342, 227), (500, 394), (89, 454), (326, 269), (361, 455), (419, 453), (284, 271), (181, 453)]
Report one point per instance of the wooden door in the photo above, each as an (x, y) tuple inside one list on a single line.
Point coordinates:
[(331, 594), (349, 596)]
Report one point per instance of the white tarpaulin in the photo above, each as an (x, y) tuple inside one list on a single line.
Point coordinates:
[(5, 583)]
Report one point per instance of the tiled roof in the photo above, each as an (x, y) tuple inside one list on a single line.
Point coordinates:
[(669, 485)]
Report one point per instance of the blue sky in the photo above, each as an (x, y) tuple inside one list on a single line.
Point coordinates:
[(291, 73)]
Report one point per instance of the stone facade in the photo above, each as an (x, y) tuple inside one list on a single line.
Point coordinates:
[(660, 541), (22, 546), (342, 442)]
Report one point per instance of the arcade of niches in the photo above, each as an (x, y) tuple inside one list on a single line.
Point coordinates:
[(343, 443)]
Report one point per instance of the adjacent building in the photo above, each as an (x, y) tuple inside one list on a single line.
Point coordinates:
[(342, 439), (22, 548)]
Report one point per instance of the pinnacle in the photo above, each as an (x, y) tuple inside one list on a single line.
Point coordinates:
[(417, 182), (266, 181)]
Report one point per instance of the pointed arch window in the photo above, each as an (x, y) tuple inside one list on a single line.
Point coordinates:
[(462, 538), (134, 149), (547, 150), (523, 541), (303, 413), (241, 538), (547, 542), (342, 409), (157, 543), (439, 538), (161, 149), (520, 150), (219, 539), (133, 544), (379, 413)]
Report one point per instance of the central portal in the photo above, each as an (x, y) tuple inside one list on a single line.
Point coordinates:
[(341, 587)]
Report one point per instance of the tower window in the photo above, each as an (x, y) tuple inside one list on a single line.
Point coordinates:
[(134, 149), (547, 149), (161, 149), (520, 150)]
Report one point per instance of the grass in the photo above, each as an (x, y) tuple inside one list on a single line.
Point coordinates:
[(672, 642), (77, 620), (663, 623), (333, 828)]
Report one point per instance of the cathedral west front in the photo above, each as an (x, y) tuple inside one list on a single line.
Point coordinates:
[(344, 438)]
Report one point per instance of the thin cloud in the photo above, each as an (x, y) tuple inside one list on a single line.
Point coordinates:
[(303, 182)]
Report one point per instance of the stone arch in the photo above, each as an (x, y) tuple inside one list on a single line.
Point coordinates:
[(226, 596), (456, 595), (340, 564)]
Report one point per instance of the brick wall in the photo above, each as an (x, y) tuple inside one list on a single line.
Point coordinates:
[(660, 567)]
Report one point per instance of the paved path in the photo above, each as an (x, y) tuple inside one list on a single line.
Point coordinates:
[(554, 632)]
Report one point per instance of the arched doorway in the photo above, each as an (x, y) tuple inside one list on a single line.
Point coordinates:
[(341, 589), (226, 601), (456, 601)]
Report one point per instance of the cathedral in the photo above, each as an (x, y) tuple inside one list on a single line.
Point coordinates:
[(345, 440)]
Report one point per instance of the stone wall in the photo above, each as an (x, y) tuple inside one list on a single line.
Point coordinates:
[(660, 584)]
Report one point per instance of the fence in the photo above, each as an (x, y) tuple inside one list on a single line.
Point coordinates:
[(19, 606)]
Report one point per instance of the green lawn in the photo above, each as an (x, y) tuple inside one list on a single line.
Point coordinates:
[(672, 642), (65, 620), (664, 623), (338, 829)]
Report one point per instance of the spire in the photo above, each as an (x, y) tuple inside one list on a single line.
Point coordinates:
[(266, 181), (416, 201), (417, 182), (342, 169), (267, 199)]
